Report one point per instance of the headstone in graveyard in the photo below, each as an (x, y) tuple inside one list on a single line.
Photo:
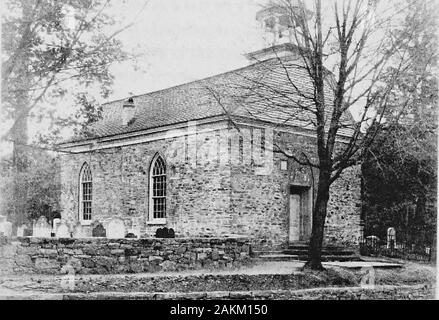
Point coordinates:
[(2, 220), (5, 227), (391, 238), (21, 230), (78, 231), (42, 228), (130, 236), (98, 230), (28, 231), (55, 224), (134, 228), (165, 233), (116, 229), (159, 233), (63, 230)]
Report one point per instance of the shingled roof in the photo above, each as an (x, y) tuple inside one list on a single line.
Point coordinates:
[(275, 91)]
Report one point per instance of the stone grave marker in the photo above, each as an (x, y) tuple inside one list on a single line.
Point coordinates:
[(63, 230), (55, 224), (98, 230), (116, 229), (2, 222), (42, 228), (165, 233), (5, 227), (131, 235), (78, 231), (391, 238), (21, 230), (134, 228), (28, 231)]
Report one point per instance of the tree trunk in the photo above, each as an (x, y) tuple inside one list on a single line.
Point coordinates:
[(19, 137), (318, 222), (19, 133)]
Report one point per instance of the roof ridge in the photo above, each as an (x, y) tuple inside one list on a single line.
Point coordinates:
[(189, 83), (187, 101)]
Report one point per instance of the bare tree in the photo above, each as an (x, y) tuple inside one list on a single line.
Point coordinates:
[(341, 57)]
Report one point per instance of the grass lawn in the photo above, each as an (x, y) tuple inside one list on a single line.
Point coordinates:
[(274, 276), (411, 273)]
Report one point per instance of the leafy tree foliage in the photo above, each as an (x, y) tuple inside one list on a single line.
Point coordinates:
[(400, 167), (399, 187), (89, 112), (48, 44), (51, 49), (39, 183)]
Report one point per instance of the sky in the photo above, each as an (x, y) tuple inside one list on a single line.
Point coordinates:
[(184, 41), (180, 41)]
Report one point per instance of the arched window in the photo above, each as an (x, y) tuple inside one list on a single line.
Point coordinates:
[(85, 193), (158, 189)]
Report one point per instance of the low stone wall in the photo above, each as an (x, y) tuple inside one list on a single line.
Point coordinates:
[(111, 256)]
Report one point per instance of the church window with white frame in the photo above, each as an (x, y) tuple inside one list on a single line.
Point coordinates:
[(158, 189), (85, 193)]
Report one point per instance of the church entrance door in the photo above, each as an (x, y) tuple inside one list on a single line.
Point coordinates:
[(300, 213)]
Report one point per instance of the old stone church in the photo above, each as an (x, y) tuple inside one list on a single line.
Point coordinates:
[(203, 157)]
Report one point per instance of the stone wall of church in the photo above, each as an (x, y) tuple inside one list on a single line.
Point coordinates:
[(198, 183), (260, 200), (344, 209), (218, 183)]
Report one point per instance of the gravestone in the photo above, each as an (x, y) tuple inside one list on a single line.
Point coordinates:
[(78, 231), (28, 231), (55, 224), (116, 229), (165, 233), (21, 230), (98, 230), (391, 238), (42, 228), (134, 228), (63, 230), (130, 236), (159, 233), (5, 227)]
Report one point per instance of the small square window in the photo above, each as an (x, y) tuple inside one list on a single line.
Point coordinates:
[(284, 165)]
